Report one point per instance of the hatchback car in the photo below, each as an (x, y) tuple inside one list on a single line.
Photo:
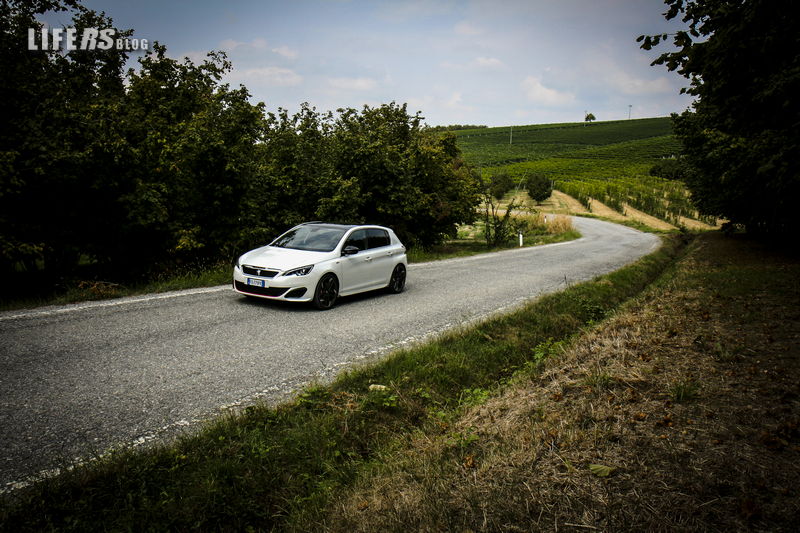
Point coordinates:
[(318, 262)]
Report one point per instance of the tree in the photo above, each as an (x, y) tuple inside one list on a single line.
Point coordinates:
[(500, 183), (741, 140), (122, 171), (499, 225), (539, 187), (671, 169), (193, 159), (589, 118), (56, 108)]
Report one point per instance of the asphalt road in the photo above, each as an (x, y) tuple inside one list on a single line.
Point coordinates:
[(77, 380)]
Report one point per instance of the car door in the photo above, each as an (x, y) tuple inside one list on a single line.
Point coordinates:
[(382, 256), (356, 268)]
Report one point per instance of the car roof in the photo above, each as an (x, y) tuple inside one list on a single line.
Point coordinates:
[(341, 226)]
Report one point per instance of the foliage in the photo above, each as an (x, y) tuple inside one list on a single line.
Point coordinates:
[(539, 187), (589, 118), (499, 224), (165, 165), (114, 169), (54, 108), (671, 169), (499, 184), (388, 169), (741, 139)]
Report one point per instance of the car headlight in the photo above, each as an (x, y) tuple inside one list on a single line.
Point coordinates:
[(302, 271), (238, 263)]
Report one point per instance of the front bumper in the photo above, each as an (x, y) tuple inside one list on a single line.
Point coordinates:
[(289, 288)]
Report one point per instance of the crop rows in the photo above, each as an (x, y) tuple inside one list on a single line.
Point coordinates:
[(607, 162), (497, 146), (664, 199)]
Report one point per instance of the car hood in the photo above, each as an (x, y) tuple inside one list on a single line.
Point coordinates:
[(282, 258)]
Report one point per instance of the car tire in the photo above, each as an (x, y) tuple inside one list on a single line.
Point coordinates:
[(398, 280), (326, 292)]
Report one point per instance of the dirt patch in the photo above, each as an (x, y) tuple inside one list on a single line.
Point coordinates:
[(682, 412), (562, 204), (648, 220), (602, 210), (693, 224)]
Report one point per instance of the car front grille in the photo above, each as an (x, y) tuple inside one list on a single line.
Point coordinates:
[(256, 271), (261, 291)]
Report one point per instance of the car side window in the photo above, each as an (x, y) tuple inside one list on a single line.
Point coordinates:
[(358, 239), (377, 238)]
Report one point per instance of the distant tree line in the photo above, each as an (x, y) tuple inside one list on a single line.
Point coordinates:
[(454, 127), (168, 164)]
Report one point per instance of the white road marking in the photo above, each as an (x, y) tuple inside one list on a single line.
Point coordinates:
[(111, 303)]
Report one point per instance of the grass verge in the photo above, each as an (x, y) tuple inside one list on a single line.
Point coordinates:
[(279, 467), (679, 413)]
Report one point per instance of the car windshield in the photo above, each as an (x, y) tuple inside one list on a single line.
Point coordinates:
[(311, 238)]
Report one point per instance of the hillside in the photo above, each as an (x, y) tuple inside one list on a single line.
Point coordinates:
[(604, 165), (489, 147)]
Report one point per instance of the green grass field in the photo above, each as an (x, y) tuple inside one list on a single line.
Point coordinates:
[(491, 147)]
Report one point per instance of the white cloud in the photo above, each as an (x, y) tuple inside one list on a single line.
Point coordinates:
[(353, 84), (273, 76), (477, 63), (230, 44), (537, 92), (488, 62), (257, 45), (285, 51), (454, 100)]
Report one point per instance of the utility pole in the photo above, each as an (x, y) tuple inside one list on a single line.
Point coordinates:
[(629, 111), (511, 135)]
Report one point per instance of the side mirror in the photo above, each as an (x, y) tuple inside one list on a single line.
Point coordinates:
[(350, 250)]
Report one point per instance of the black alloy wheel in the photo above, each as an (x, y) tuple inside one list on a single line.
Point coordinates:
[(327, 291), (398, 280)]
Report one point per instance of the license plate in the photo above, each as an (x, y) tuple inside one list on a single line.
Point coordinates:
[(256, 282)]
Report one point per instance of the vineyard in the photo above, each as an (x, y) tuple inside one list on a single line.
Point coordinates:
[(607, 162)]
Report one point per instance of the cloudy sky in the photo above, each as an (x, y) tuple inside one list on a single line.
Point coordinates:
[(494, 62)]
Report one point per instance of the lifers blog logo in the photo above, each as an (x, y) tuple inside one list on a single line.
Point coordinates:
[(88, 39)]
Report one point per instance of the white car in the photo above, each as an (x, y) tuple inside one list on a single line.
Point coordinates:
[(318, 262)]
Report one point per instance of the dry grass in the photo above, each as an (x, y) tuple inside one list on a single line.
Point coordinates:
[(551, 224), (562, 203), (648, 220), (693, 224), (689, 397)]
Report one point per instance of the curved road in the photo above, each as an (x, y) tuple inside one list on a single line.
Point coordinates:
[(79, 379)]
